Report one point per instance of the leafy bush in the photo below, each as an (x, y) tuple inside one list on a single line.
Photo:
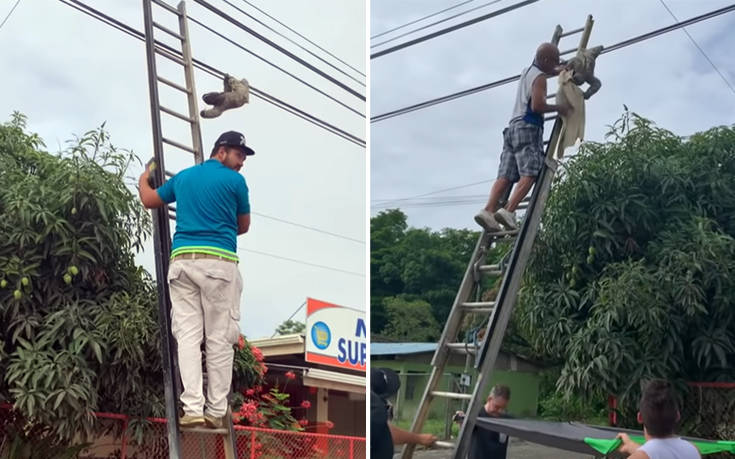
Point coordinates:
[(633, 271)]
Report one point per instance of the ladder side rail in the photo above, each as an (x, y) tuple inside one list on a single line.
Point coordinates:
[(442, 351), (505, 302), (196, 133), (162, 248)]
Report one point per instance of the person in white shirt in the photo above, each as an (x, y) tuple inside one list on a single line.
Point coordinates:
[(659, 414)]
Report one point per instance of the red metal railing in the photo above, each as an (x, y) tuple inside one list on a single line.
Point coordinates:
[(252, 443)]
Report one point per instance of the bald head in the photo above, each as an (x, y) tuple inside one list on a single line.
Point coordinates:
[(547, 57)]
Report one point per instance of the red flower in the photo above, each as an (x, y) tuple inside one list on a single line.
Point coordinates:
[(241, 342), (257, 353), (329, 424), (249, 409), (290, 375), (258, 389), (250, 392), (306, 404), (304, 422)]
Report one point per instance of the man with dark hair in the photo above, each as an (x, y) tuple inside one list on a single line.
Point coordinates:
[(659, 414), (486, 444), (212, 209), (523, 142)]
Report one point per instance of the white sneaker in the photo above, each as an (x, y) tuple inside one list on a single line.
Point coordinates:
[(507, 219), (487, 221)]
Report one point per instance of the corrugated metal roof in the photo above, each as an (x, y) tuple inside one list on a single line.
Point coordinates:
[(401, 348)]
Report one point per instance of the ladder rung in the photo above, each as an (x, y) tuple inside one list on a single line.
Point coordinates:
[(463, 348), (171, 208), (455, 395), (176, 114), (444, 444), (569, 51), (478, 304), (204, 430), (172, 216), (499, 234), (172, 84), (169, 173), (550, 118), (489, 268), (178, 145), (167, 54), (168, 31), (571, 32), (166, 6)]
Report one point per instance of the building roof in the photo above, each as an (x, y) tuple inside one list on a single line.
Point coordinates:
[(401, 348)]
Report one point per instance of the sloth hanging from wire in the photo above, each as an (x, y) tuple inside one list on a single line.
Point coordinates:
[(236, 94)]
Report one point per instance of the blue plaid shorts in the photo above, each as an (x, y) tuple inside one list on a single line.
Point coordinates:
[(523, 151)]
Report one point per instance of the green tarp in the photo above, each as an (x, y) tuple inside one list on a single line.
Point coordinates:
[(582, 438)]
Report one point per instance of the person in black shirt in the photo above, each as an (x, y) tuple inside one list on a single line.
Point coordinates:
[(384, 383), (486, 444)]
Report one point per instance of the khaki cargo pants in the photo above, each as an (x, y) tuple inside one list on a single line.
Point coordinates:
[(205, 305)]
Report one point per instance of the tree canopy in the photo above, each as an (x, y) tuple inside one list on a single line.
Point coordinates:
[(78, 319), (633, 271), (417, 268)]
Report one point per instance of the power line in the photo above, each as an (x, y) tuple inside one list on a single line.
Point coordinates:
[(304, 82), (699, 48), (274, 45), (447, 98), (421, 19), (387, 201), (300, 35), (294, 42), (308, 227), (96, 14), (11, 12), (352, 273), (290, 317), (504, 81), (418, 29), (451, 28)]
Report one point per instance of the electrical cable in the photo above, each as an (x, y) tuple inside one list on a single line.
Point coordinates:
[(461, 25), (300, 35), (309, 228), (11, 12), (696, 45), (294, 42), (290, 317), (449, 18), (615, 47), (96, 14), (457, 5), (304, 82), (303, 262), (279, 48)]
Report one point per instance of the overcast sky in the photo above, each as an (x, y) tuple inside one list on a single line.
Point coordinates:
[(456, 143), (69, 73)]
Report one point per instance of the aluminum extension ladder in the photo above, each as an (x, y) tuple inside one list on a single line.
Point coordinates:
[(498, 312), (161, 230)]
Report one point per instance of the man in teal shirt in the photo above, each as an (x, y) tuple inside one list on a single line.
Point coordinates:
[(212, 209)]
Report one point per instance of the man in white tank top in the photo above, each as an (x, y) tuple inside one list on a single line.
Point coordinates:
[(659, 414), (523, 144)]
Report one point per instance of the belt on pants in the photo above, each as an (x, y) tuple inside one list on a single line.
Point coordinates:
[(200, 256)]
